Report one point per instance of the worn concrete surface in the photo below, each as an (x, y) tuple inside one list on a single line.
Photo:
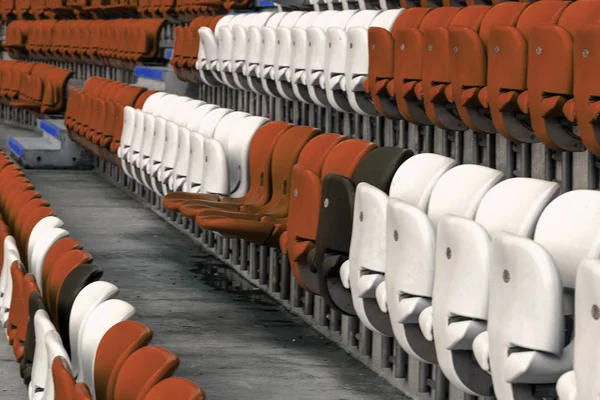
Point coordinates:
[(237, 344)]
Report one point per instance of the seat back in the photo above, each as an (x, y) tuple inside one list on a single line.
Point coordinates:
[(462, 270), (44, 224), (236, 152), (101, 319), (85, 302), (411, 186), (142, 370), (73, 284), (40, 368), (303, 216), (411, 242), (41, 249), (581, 382), (36, 302), (182, 115), (337, 205), (54, 349), (178, 387), (536, 278), (117, 344), (195, 120)]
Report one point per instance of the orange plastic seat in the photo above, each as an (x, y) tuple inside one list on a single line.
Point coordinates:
[(142, 370), (550, 76), (28, 286), (65, 386), (586, 87), (409, 58), (177, 388), (380, 83), (508, 70), (17, 271), (469, 66), (63, 267), (436, 88), (117, 344), (263, 226), (259, 158), (303, 219), (57, 250)]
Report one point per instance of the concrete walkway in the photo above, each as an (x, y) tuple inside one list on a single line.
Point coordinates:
[(236, 343)]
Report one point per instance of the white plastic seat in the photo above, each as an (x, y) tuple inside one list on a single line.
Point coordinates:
[(130, 119), (182, 114), (38, 230), (54, 348), (146, 153), (156, 152), (254, 44), (11, 254), (226, 158), (459, 307), (169, 156), (208, 54), (212, 116), (196, 119), (582, 381), (102, 318), (265, 71), (39, 370), (228, 125), (357, 61), (182, 160), (242, 48), (226, 45), (295, 75), (86, 301), (317, 56), (284, 51), (366, 267), (151, 103), (42, 246), (411, 246), (531, 294), (132, 152), (334, 77)]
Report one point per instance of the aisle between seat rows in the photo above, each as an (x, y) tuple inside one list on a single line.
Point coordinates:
[(235, 347)]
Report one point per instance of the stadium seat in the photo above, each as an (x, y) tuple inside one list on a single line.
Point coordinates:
[(374, 213), (298, 241), (142, 370), (117, 344), (459, 307), (535, 277), (335, 222)]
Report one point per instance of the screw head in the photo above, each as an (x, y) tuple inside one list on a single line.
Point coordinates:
[(595, 312), (395, 235), (373, 46), (506, 276), (455, 49), (538, 50), (361, 216), (448, 253), (295, 192), (326, 202), (497, 49), (293, 43), (351, 45), (430, 47), (402, 47), (329, 44), (585, 53)]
